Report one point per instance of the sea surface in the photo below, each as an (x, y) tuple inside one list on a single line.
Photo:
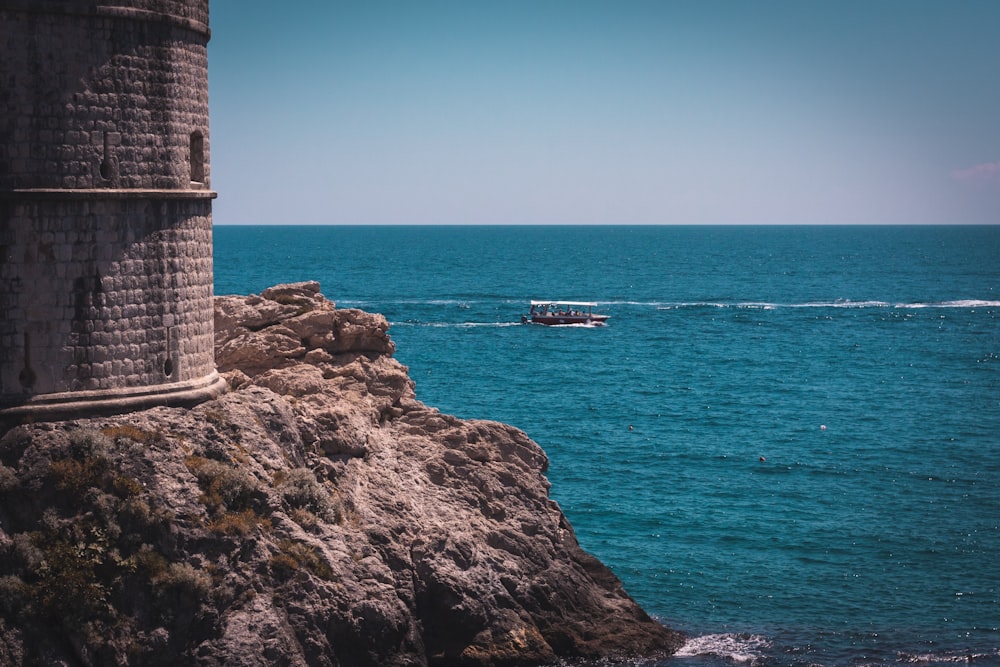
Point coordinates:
[(785, 442)]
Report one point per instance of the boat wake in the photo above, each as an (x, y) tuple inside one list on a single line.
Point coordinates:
[(839, 303), (459, 325)]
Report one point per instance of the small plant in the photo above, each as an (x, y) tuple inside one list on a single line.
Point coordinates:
[(284, 565), (87, 441), (302, 490), (153, 563), (294, 556), (67, 585), (223, 486), (138, 518), (304, 518), (185, 579), (126, 487), (127, 432), (238, 524), (76, 476)]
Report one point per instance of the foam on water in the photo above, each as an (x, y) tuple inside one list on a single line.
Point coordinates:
[(744, 649), (949, 657), (963, 303), (455, 325)]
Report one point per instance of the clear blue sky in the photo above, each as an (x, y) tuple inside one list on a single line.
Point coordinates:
[(581, 112)]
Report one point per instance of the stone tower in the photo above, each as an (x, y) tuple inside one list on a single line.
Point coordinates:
[(105, 207)]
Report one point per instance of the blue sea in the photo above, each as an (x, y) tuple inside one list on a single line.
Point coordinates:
[(785, 442)]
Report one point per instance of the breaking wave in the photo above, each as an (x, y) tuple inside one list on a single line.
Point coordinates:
[(839, 303), (459, 325), (743, 649), (948, 657)]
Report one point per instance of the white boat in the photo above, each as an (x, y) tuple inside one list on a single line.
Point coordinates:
[(555, 313)]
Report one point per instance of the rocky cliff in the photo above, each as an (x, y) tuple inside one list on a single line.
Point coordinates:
[(316, 514)]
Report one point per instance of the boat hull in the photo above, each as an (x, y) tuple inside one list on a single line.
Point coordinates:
[(557, 320)]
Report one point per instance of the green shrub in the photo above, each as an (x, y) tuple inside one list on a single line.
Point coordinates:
[(304, 518), (151, 562), (300, 489), (126, 487), (239, 524), (75, 476), (88, 443), (185, 579), (223, 486), (68, 587), (283, 565), (137, 516), (86, 467), (294, 556)]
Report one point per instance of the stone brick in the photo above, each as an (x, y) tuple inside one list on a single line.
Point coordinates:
[(100, 279)]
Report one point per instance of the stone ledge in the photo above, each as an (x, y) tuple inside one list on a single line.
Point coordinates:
[(87, 9), (151, 16), (105, 193), (81, 404)]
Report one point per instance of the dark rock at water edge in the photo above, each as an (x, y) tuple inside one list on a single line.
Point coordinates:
[(316, 514)]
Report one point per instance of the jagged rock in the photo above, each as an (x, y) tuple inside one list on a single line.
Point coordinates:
[(317, 514)]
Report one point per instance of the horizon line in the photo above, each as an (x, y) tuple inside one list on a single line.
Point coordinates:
[(606, 224)]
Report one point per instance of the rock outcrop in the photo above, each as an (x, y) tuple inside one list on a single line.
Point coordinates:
[(316, 514)]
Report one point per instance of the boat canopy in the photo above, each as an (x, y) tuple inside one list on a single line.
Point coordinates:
[(557, 302)]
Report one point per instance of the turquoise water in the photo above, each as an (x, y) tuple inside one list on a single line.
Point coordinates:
[(786, 442)]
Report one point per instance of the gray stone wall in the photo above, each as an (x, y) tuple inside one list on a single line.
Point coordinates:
[(105, 294), (105, 206), (108, 99)]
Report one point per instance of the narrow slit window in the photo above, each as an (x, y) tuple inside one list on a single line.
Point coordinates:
[(197, 157), (107, 170)]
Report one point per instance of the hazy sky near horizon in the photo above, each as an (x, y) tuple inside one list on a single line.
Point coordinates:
[(601, 112)]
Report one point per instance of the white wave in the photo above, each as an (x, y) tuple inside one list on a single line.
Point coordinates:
[(369, 303), (738, 648), (961, 303), (839, 303), (848, 303), (455, 325), (488, 324), (692, 304), (767, 305), (946, 657), (757, 305)]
